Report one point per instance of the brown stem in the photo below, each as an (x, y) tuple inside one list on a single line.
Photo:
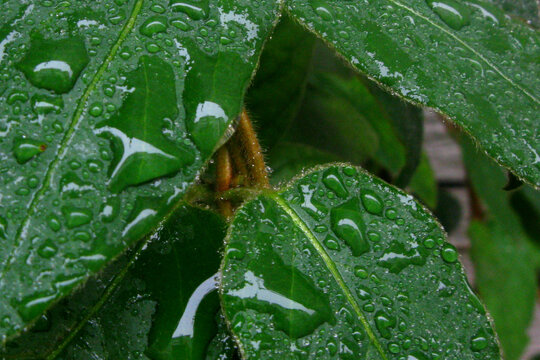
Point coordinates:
[(253, 152), (223, 178), (241, 173)]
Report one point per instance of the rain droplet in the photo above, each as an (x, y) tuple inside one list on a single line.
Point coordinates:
[(76, 216), (348, 225), (47, 250), (193, 11), (397, 258), (3, 227), (372, 202), (25, 149), (45, 104), (54, 64), (453, 13), (449, 253), (154, 25), (332, 179)]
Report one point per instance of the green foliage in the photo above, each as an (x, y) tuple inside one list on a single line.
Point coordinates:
[(356, 270), (115, 121)]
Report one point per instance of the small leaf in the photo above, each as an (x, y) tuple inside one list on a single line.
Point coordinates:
[(463, 58), (340, 265), (162, 302), (108, 112)]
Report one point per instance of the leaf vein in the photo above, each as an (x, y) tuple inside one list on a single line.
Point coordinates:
[(331, 267)]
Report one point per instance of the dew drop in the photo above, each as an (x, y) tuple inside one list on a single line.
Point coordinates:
[(154, 25), (478, 343), (384, 323), (45, 104), (331, 243), (396, 257), (332, 180), (54, 223), (322, 9), (25, 149), (54, 64), (193, 11), (348, 225), (17, 96), (454, 14), (372, 202), (34, 305), (449, 253), (47, 250), (296, 309), (76, 216)]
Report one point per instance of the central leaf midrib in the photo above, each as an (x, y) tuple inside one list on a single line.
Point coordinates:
[(77, 116), (330, 264)]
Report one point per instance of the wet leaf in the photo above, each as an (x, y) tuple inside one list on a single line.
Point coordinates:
[(462, 58), (340, 265), (109, 110), (158, 300)]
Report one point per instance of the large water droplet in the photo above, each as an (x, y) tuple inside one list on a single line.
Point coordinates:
[(397, 258), (25, 149), (372, 202), (45, 104), (48, 249), (34, 305), (453, 13), (195, 9), (479, 342), (76, 216), (71, 185), (54, 64), (154, 25), (333, 180), (140, 150), (323, 9), (449, 253), (145, 213), (208, 125), (348, 225), (384, 323), (310, 205), (297, 306)]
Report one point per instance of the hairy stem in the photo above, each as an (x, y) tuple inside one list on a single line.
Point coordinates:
[(253, 152)]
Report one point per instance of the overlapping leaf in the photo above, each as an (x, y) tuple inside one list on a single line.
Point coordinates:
[(463, 58), (340, 265), (109, 109), (159, 303)]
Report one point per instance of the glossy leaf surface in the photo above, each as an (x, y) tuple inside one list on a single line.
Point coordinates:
[(340, 265), (161, 303), (109, 109), (463, 58)]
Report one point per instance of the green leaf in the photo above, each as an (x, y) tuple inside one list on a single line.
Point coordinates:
[(278, 88), (423, 183), (502, 242), (162, 302), (503, 266), (108, 113), (463, 58), (340, 265)]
